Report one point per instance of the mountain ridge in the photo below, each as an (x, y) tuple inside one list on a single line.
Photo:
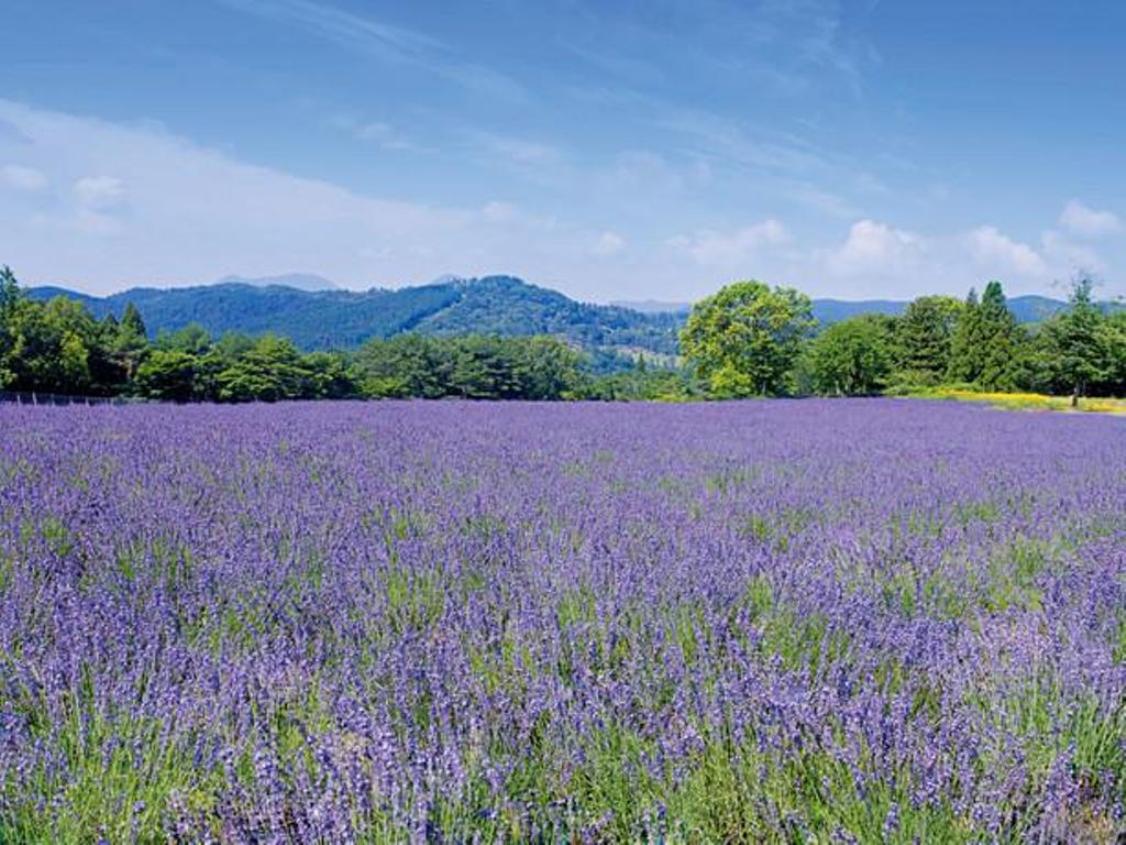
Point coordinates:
[(341, 319), (310, 282)]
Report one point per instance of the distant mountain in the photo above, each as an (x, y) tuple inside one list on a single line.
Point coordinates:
[(297, 281), (1036, 309), (1027, 309), (509, 306), (341, 319), (825, 310), (835, 310), (654, 306)]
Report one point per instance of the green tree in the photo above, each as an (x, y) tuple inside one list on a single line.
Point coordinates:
[(269, 371), (10, 293), (108, 374), (131, 322), (987, 341), (965, 343), (546, 368), (327, 376), (1113, 333), (131, 342), (233, 345), (745, 339), (1080, 349), (483, 368), (192, 338), (649, 384), (853, 357), (406, 365), (11, 300), (167, 374), (50, 347), (924, 336)]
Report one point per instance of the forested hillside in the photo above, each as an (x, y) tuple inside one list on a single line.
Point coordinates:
[(501, 305), (338, 319)]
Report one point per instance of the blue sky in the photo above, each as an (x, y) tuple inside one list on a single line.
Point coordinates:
[(614, 150)]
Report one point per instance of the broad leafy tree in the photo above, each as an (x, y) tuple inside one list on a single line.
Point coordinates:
[(854, 357), (50, 347), (745, 340), (167, 374), (269, 371)]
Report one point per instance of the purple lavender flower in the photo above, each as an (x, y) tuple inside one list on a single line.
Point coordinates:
[(458, 622)]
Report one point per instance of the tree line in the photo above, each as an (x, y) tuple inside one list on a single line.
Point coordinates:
[(59, 347), (752, 340), (746, 340)]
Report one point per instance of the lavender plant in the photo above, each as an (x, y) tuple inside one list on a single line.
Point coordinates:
[(831, 621)]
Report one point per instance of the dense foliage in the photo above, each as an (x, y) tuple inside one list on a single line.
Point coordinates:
[(340, 319), (830, 621), (58, 347), (469, 367), (751, 340), (509, 307), (852, 358), (747, 340)]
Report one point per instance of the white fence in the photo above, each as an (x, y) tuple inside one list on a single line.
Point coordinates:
[(22, 398)]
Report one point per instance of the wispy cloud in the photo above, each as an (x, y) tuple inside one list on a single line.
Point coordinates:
[(723, 137), (824, 201), (378, 132), (344, 27), (521, 151), (384, 41), (777, 47)]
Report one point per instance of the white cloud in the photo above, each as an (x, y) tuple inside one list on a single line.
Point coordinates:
[(99, 193), (1060, 252), (609, 243), (998, 254), (143, 206), (878, 259), (125, 204), (500, 212), (1087, 222), (874, 247), (728, 249), (22, 178)]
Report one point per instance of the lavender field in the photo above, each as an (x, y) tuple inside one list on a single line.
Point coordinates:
[(830, 621)]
